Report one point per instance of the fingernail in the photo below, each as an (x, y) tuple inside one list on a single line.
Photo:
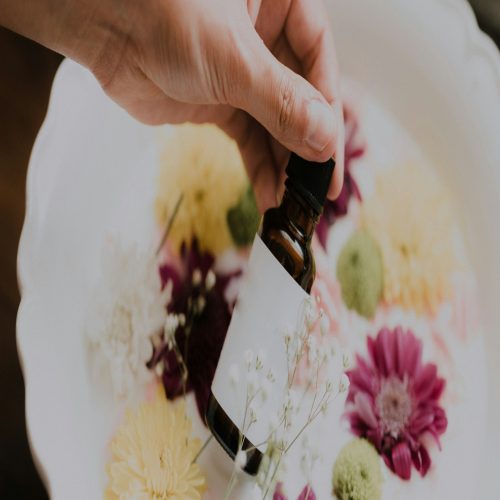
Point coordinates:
[(321, 127)]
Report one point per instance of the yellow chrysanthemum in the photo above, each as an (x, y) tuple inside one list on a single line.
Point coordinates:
[(411, 216), (152, 455), (204, 164)]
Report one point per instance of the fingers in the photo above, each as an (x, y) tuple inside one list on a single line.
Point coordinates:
[(310, 37), (287, 105), (309, 33), (262, 162)]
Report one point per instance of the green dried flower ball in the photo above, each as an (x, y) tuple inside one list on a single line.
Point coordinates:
[(360, 273), (357, 474), (243, 219)]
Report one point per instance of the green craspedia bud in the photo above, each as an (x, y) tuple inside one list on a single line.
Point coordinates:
[(356, 473), (243, 219), (360, 272)]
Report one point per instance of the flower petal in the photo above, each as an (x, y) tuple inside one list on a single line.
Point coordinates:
[(376, 350), (374, 436), (412, 353), (401, 459), (362, 378), (365, 411), (387, 341), (358, 426), (421, 420), (400, 352), (381, 346), (169, 273), (388, 460), (307, 493), (440, 420), (370, 345), (424, 382), (425, 459), (438, 389), (416, 459), (278, 492)]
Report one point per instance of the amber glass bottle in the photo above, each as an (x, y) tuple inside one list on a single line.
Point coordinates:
[(286, 231)]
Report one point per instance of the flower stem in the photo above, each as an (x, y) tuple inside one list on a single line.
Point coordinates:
[(170, 223), (270, 482), (184, 368), (202, 449), (231, 484)]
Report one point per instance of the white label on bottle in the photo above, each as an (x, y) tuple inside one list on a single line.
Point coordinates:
[(270, 306)]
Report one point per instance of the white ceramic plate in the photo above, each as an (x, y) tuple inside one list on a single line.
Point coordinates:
[(92, 173)]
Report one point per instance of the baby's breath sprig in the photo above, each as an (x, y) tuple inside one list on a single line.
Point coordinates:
[(301, 346), (259, 378)]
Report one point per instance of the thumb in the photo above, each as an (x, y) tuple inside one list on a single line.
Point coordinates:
[(287, 105)]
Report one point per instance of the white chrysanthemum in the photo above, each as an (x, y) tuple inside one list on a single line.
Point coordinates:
[(127, 309)]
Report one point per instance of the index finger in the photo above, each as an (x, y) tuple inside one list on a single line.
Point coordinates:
[(309, 35)]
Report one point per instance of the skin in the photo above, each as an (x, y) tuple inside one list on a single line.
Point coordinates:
[(264, 71)]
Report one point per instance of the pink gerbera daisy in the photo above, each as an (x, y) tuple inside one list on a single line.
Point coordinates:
[(393, 401)]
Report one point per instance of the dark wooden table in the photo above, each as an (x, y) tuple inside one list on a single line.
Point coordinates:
[(26, 73)]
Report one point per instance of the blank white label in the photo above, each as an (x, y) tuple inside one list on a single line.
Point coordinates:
[(269, 306)]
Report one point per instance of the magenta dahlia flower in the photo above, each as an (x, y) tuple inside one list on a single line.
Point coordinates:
[(393, 401), (201, 337), (353, 149)]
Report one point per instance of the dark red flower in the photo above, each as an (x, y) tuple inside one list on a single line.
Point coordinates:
[(393, 401), (354, 148), (201, 337)]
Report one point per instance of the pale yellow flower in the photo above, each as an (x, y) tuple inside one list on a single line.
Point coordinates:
[(411, 216), (152, 455), (204, 164)]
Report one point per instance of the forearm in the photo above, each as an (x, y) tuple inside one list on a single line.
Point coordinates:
[(84, 30)]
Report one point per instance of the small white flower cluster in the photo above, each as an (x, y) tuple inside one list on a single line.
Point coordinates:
[(321, 380), (302, 342), (259, 382), (127, 309), (197, 307), (174, 321), (303, 404)]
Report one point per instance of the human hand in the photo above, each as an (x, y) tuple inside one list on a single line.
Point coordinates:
[(265, 71)]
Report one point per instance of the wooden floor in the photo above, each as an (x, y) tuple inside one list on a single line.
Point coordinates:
[(26, 73)]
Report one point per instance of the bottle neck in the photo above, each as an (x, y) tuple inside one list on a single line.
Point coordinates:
[(300, 214)]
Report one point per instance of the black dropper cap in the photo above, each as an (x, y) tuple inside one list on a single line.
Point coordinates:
[(310, 179)]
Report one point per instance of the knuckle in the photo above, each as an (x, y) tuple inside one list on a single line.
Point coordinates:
[(230, 69), (219, 84), (286, 104)]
